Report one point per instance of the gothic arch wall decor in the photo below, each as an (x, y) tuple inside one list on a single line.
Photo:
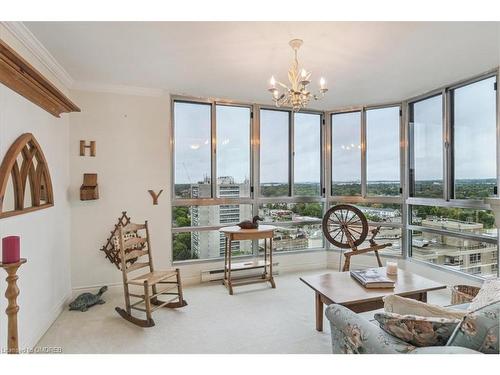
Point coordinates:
[(25, 164)]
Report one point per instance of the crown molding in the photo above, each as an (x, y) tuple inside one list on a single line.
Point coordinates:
[(117, 89), (24, 36), (37, 49)]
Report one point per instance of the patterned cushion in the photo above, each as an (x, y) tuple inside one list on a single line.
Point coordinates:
[(116, 239), (418, 330), (489, 293), (116, 244), (407, 306), (479, 330)]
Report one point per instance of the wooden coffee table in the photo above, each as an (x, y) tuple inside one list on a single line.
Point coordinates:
[(342, 289)]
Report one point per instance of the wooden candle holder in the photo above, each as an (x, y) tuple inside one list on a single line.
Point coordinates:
[(12, 308)]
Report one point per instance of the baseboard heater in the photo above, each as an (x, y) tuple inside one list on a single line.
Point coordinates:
[(217, 274)]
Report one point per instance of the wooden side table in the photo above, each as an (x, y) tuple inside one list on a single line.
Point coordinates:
[(12, 308), (235, 233)]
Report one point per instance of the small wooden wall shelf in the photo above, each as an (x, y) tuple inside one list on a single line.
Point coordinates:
[(89, 190), (19, 75)]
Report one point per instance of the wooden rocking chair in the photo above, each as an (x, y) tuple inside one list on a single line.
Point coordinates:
[(132, 248), (345, 226)]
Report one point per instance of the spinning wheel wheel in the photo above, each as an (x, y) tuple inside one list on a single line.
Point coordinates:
[(345, 226)]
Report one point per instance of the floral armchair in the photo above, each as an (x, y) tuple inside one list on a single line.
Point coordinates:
[(353, 334)]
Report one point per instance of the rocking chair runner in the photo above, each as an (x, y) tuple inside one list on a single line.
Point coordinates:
[(345, 226), (133, 246)]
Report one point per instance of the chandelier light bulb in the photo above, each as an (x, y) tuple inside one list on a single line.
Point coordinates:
[(322, 83), (272, 82)]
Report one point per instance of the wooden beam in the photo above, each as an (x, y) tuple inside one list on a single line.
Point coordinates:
[(20, 76)]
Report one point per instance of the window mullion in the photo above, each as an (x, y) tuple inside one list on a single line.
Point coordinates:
[(213, 136), (363, 152), (255, 176), (291, 153), (498, 139), (327, 157), (447, 148)]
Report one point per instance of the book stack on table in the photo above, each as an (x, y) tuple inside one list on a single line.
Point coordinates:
[(372, 278)]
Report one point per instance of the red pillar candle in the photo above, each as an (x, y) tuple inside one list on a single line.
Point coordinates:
[(11, 252)]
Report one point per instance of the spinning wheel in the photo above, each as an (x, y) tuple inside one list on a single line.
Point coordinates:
[(346, 227)]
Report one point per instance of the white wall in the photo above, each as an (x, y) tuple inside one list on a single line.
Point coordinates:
[(44, 281), (131, 158)]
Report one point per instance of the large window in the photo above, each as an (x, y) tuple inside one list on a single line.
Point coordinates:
[(426, 160), (445, 143), (383, 151), (192, 147), (233, 151), (346, 153), (307, 154), (274, 153), (474, 139), (455, 163)]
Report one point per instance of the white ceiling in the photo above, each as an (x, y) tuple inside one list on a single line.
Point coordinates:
[(363, 62)]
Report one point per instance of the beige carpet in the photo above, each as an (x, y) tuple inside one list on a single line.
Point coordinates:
[(256, 319)]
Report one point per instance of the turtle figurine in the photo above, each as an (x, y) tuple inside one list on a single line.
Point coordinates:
[(86, 300), (247, 224)]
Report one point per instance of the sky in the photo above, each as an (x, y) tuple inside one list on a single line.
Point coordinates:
[(475, 141), (474, 133)]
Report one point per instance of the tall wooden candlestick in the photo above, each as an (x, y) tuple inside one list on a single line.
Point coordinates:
[(12, 308)]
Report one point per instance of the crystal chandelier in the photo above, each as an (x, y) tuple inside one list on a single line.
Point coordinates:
[(297, 94)]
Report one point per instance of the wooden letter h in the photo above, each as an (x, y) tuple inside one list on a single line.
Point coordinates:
[(90, 146)]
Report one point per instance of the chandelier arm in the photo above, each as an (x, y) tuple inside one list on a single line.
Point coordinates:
[(283, 85)]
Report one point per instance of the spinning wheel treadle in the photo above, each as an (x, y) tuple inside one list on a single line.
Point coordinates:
[(345, 226)]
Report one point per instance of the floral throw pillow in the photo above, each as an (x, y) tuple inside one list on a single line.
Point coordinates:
[(418, 330), (479, 330)]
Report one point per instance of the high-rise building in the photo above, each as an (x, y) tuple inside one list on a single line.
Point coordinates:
[(210, 244), (470, 256)]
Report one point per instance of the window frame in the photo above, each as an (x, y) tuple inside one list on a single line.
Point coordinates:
[(255, 199), (451, 129), (448, 200), (411, 151), (364, 198), (214, 141)]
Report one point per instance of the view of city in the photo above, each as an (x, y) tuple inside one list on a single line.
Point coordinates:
[(300, 224)]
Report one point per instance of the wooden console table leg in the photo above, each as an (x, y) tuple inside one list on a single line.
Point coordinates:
[(271, 277), (319, 313), (229, 284), (265, 259), (225, 260)]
